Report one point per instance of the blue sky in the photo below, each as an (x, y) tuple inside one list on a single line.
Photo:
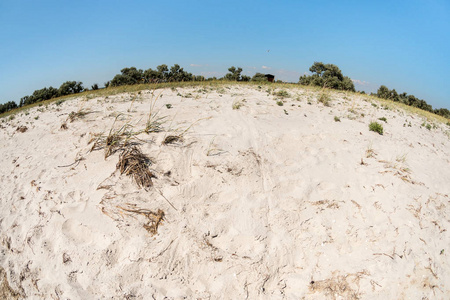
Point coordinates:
[(402, 44)]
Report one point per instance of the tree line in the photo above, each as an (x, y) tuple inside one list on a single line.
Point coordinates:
[(323, 75), (384, 93)]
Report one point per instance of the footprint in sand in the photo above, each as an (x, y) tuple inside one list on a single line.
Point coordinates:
[(76, 232)]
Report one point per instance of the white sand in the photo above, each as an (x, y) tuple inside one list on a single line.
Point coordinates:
[(269, 205)]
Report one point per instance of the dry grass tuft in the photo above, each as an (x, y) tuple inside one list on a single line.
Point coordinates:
[(22, 129), (116, 140), (64, 126), (154, 218), (133, 162), (172, 139), (339, 286), (77, 115)]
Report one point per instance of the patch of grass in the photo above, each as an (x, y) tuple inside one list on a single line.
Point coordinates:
[(280, 103), (117, 139), (282, 94), (78, 115), (324, 98), (60, 101), (337, 119), (154, 122), (428, 126), (36, 118), (377, 127), (383, 119), (237, 104)]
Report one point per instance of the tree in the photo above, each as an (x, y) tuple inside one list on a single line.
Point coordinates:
[(383, 92), (178, 74), (10, 105), (327, 76), (94, 87), (128, 76), (234, 75), (70, 87)]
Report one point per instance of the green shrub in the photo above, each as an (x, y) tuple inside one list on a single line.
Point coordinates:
[(282, 94), (377, 127), (428, 126), (337, 119), (383, 119), (169, 106), (280, 103)]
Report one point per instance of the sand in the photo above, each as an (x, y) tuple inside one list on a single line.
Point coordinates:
[(259, 201)]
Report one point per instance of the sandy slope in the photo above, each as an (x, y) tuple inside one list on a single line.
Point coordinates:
[(269, 202)]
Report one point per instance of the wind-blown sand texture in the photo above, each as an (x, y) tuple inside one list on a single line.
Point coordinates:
[(257, 202)]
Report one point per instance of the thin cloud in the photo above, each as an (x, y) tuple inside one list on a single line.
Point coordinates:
[(195, 65), (266, 67), (360, 82)]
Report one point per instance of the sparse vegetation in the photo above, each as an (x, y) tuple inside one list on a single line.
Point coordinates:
[(337, 119), (383, 119), (377, 127), (324, 98)]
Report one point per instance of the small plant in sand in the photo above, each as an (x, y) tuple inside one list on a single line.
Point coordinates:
[(324, 98), (282, 94), (78, 115), (154, 122), (132, 162), (377, 127), (117, 139), (337, 119), (280, 103), (169, 106), (237, 104), (383, 119)]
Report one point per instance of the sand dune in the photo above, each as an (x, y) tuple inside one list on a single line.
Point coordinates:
[(260, 202)]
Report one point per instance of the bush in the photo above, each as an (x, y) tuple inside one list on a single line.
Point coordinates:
[(282, 94), (337, 119), (383, 119), (377, 127), (94, 87)]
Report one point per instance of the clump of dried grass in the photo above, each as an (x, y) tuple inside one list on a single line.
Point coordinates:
[(77, 115), (117, 139), (172, 139), (154, 218), (64, 126), (22, 129), (132, 162), (154, 122)]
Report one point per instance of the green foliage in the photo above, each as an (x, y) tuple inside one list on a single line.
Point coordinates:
[(7, 106), (337, 119), (94, 87), (327, 76), (70, 87), (383, 119), (410, 100), (377, 127), (235, 75), (128, 76), (280, 103), (259, 77), (282, 94)]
